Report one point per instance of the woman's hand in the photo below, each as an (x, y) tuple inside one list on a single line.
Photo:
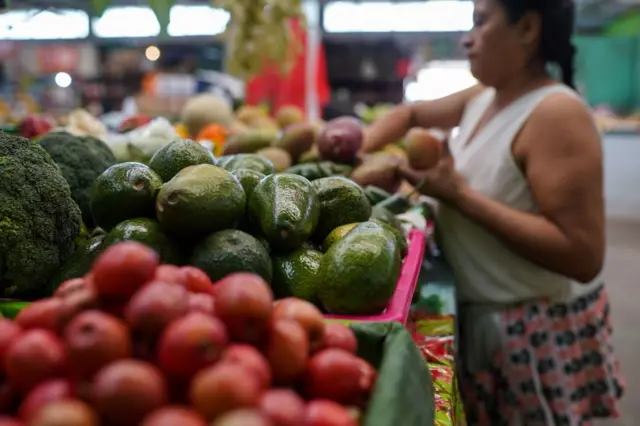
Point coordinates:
[(441, 182)]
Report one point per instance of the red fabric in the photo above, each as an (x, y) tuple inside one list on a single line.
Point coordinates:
[(278, 90)]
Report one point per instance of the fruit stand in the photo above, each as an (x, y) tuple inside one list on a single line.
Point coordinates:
[(258, 237)]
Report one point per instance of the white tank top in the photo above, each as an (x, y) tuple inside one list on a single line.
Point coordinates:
[(486, 270)]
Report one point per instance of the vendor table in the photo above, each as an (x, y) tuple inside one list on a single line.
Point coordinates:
[(432, 324)]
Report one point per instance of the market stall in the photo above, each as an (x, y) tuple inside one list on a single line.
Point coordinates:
[(285, 206), (201, 204)]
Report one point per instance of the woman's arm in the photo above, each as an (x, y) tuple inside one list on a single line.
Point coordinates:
[(444, 113), (561, 155)]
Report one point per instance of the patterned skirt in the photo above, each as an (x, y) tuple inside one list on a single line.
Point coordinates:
[(556, 367)]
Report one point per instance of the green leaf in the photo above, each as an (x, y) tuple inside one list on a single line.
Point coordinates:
[(10, 308), (403, 394)]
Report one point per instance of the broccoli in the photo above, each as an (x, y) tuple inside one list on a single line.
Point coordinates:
[(38, 218), (81, 161)]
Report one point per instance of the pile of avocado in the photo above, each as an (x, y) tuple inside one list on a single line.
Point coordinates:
[(318, 240)]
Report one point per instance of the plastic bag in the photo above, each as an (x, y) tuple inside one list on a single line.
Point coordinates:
[(82, 123), (152, 136)]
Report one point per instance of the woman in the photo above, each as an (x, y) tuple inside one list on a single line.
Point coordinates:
[(522, 222)]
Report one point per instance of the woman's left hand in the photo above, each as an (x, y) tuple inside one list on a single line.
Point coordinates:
[(442, 182)]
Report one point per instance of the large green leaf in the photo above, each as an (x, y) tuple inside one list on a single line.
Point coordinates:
[(10, 308), (403, 394)]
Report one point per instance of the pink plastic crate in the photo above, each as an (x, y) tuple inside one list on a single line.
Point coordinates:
[(400, 304)]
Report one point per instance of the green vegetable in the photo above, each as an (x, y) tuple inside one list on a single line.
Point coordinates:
[(295, 274), (225, 252), (124, 191), (250, 161), (81, 161), (404, 392), (313, 171), (148, 232), (342, 201), (177, 155), (286, 208), (39, 220), (359, 272), (200, 200)]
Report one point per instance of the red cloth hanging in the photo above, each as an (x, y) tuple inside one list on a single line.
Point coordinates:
[(277, 90)]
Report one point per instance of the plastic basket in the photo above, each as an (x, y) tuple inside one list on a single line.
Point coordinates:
[(400, 304)]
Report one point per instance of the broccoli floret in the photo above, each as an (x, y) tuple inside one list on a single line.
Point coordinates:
[(81, 161), (38, 218)]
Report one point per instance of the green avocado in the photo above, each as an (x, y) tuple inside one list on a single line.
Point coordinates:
[(286, 209), (250, 161), (359, 272), (200, 200), (248, 179), (295, 274), (146, 231), (383, 216), (124, 191), (177, 155), (342, 201), (229, 251)]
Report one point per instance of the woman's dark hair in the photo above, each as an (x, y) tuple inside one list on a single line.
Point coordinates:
[(557, 20)]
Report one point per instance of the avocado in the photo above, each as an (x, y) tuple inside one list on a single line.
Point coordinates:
[(296, 139), (286, 209), (310, 156), (314, 171), (124, 191), (342, 201), (177, 155), (229, 251), (250, 161), (385, 215), (401, 238), (146, 231), (295, 274), (359, 273), (337, 234), (248, 179), (200, 200), (279, 157), (80, 262), (249, 141)]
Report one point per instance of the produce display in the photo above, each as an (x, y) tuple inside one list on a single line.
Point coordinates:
[(39, 220), (125, 238), (134, 342), (255, 209)]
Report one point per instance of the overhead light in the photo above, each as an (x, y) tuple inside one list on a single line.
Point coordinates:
[(43, 25), (152, 53), (195, 20), (62, 79), (142, 23), (386, 16)]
